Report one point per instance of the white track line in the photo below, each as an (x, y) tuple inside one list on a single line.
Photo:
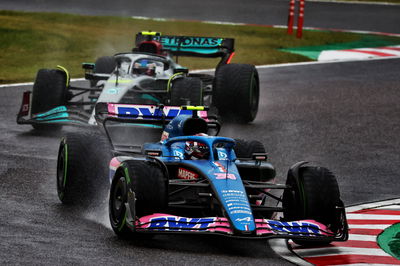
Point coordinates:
[(30, 83), (362, 237), (331, 251), (368, 226), (360, 216), (373, 205), (280, 247)]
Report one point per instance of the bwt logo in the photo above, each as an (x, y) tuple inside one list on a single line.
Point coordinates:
[(148, 112), (293, 227), (177, 223)]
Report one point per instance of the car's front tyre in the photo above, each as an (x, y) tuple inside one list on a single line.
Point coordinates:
[(148, 183), (82, 169), (313, 194)]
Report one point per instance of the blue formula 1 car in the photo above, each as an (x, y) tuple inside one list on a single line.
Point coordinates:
[(193, 181)]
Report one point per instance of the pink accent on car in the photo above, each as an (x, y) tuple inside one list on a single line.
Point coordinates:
[(114, 163), (165, 222), (203, 114), (225, 176), (112, 108)]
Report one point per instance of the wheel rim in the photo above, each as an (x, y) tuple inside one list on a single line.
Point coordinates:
[(290, 201), (62, 170), (118, 199), (254, 98)]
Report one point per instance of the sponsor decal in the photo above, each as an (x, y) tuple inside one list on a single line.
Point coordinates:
[(220, 167), (112, 91), (236, 201), (174, 223), (188, 41), (222, 155), (150, 112), (25, 107), (178, 154), (187, 174), (225, 176), (246, 219), (25, 103), (303, 228)]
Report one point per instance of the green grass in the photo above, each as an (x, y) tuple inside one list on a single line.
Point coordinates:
[(30, 41)]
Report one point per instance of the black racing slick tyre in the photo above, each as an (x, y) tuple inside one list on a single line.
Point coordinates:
[(49, 91), (315, 195), (245, 149), (148, 183), (187, 91), (105, 65), (236, 92), (83, 168)]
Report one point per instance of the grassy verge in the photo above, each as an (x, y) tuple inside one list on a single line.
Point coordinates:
[(30, 41)]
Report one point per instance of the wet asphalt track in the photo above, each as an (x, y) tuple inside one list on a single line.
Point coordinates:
[(345, 116)]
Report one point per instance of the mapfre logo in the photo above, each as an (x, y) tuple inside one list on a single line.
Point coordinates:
[(186, 174)]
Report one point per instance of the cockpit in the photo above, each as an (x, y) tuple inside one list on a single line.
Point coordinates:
[(150, 67)]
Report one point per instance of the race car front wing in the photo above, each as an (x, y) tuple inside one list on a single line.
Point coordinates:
[(60, 114), (265, 228)]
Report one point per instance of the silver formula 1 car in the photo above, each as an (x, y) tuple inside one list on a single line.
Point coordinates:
[(147, 75)]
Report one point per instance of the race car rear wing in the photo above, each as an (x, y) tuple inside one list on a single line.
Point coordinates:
[(145, 122), (190, 45), (144, 113)]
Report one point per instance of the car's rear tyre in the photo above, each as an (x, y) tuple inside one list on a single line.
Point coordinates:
[(314, 195), (82, 169), (236, 92), (187, 91), (105, 65), (149, 184), (49, 91), (245, 148)]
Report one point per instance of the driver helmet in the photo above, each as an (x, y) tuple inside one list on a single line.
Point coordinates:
[(195, 150), (144, 66)]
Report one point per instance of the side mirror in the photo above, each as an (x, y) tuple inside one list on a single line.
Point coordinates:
[(181, 70), (88, 66)]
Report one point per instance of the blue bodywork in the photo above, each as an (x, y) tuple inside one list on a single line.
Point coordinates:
[(219, 169), (222, 174)]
